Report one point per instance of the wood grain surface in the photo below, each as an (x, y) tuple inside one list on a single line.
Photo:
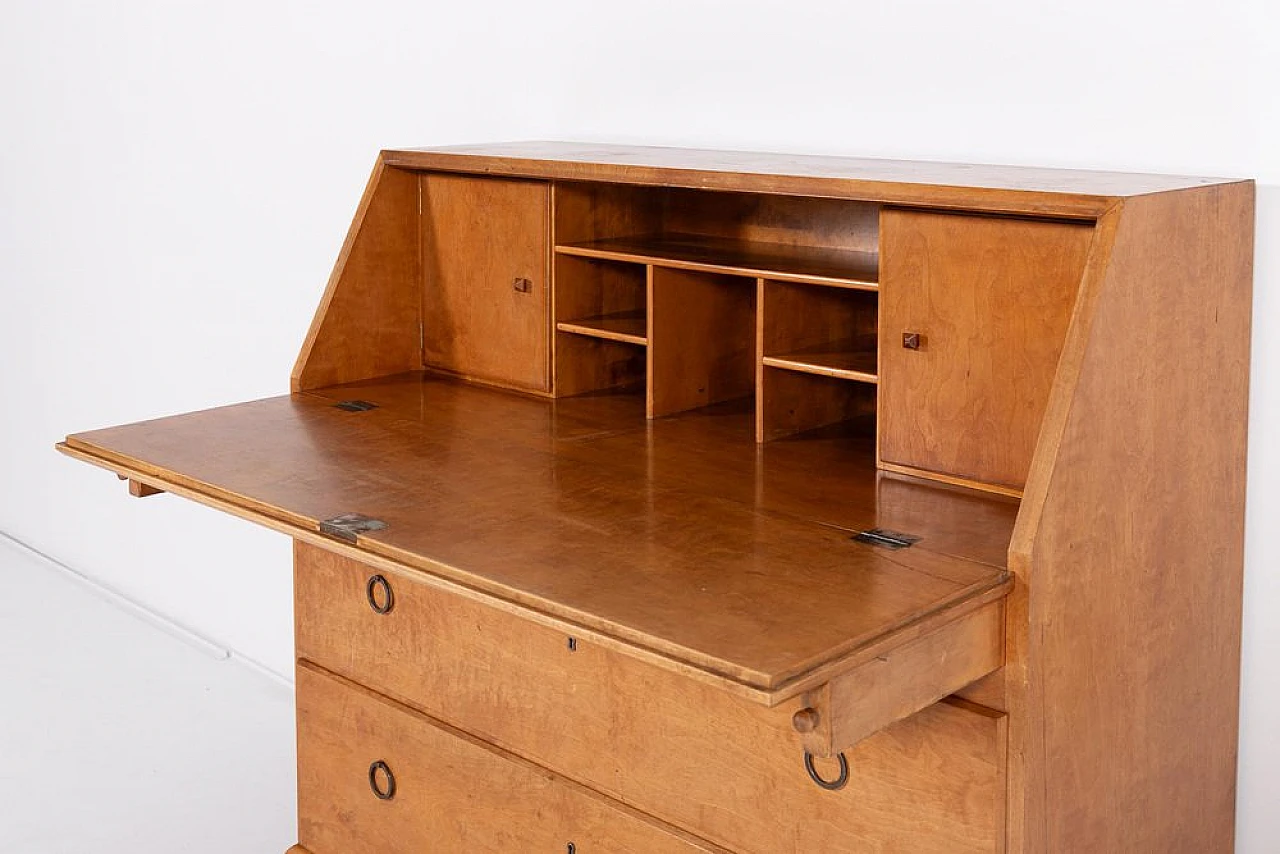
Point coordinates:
[(452, 792), (702, 340), (837, 267), (736, 562), (673, 747), (480, 236), (1012, 189), (1131, 543), (367, 324), (990, 299)]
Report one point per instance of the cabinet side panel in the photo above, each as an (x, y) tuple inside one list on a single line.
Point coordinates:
[(1135, 562), (989, 299), (367, 322)]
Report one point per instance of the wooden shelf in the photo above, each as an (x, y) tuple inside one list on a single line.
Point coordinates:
[(628, 327), (845, 361), (841, 268), (736, 566)]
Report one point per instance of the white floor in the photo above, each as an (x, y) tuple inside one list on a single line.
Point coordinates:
[(117, 737)]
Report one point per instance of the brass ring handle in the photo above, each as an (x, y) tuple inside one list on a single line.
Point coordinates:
[(388, 598), (830, 785), (383, 793)]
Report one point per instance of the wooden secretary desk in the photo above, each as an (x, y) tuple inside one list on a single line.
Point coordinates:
[(650, 500)]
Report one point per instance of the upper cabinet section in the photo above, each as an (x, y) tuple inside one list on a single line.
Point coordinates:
[(973, 315), (485, 279), (918, 308)]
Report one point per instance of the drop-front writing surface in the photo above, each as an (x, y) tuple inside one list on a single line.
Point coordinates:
[(808, 449)]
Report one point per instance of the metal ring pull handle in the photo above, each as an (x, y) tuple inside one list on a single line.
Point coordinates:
[(370, 592), (383, 792), (830, 785)]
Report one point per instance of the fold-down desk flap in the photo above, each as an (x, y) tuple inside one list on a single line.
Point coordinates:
[(678, 543)]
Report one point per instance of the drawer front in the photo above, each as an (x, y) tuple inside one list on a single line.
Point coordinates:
[(694, 755), (436, 790)]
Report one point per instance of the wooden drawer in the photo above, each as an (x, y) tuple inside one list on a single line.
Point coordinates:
[(439, 790), (730, 770)]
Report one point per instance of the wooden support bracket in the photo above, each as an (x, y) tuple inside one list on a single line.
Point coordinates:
[(138, 489), (900, 683)]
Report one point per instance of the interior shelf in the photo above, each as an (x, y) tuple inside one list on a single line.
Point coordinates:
[(843, 268), (629, 327), (849, 360)]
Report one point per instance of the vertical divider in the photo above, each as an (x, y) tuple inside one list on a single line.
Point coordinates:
[(648, 356), (761, 319), (702, 340)]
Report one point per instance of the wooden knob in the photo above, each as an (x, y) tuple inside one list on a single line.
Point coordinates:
[(911, 340), (805, 720)]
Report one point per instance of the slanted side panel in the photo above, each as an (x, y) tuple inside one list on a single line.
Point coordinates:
[(368, 321), (1134, 541)]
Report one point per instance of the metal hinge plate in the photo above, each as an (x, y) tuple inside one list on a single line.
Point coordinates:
[(885, 538), (355, 405), (349, 526)]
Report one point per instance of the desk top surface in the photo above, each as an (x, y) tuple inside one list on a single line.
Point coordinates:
[(680, 536), (1066, 192)]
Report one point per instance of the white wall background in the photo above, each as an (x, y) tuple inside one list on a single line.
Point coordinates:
[(177, 178)]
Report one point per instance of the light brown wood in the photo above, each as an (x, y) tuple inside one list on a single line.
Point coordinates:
[(1132, 613), (138, 489), (688, 367), (452, 792), (368, 321), (797, 224), (990, 299), (704, 525), (847, 360), (836, 267), (894, 686), (677, 749), (792, 402), (586, 288), (629, 327), (586, 212), (586, 364), (806, 720), (334, 605), (818, 330), (1022, 698), (486, 267), (644, 623), (1009, 189), (605, 300)]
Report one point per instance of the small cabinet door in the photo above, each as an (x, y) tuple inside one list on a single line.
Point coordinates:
[(485, 264), (973, 315)]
